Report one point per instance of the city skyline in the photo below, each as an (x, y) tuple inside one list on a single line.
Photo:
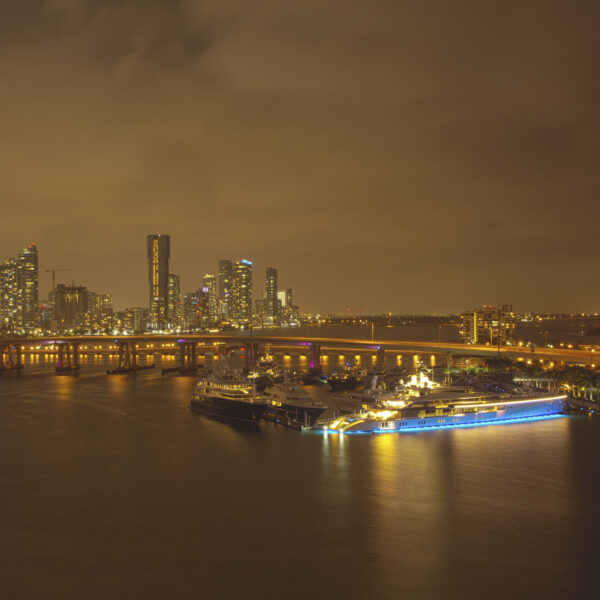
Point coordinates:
[(426, 158), (195, 280)]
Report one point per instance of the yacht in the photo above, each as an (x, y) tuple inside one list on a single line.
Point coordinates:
[(446, 408), (226, 394), (346, 377), (290, 401), (370, 397), (266, 372)]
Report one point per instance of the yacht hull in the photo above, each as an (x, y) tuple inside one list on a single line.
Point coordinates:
[(305, 415), (506, 411), (229, 410), (342, 383)]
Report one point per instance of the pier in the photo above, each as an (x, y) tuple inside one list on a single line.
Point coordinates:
[(579, 405), (128, 359)]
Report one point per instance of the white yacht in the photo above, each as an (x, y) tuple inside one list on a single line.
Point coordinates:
[(289, 400), (225, 393)]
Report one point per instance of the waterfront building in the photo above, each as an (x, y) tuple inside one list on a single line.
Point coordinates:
[(28, 283), (289, 313), (100, 314), (282, 298), (488, 325), (10, 297), (242, 291), (159, 252), (175, 309), (209, 282), (203, 307), (225, 288), (19, 291), (260, 308), (191, 311), (272, 306), (132, 320), (46, 314), (70, 307)]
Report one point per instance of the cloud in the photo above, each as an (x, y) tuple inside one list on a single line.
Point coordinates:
[(429, 146)]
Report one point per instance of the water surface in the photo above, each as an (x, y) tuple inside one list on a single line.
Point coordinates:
[(112, 488)]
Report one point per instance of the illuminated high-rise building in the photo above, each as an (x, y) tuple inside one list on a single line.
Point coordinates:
[(225, 288), (175, 308), (488, 325), (191, 310), (28, 284), (209, 281), (203, 298), (134, 319), (159, 252), (19, 291), (10, 297), (290, 313), (242, 291), (272, 305), (100, 314), (71, 306)]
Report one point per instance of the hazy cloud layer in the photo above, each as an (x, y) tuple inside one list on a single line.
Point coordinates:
[(421, 156)]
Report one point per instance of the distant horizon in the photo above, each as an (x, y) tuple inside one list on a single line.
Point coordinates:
[(258, 286)]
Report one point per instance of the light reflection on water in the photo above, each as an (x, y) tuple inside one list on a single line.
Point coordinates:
[(112, 483)]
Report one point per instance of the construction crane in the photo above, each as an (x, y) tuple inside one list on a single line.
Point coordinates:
[(54, 271)]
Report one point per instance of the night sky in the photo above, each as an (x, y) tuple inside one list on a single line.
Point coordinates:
[(384, 155)]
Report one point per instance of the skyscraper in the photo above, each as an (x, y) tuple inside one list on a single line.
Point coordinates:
[(488, 325), (19, 290), (210, 283), (174, 301), (159, 252), (71, 306), (100, 314), (10, 296), (242, 291), (225, 288), (28, 284), (191, 311), (271, 307)]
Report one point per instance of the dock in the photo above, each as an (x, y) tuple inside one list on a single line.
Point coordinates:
[(132, 369), (578, 405), (191, 370)]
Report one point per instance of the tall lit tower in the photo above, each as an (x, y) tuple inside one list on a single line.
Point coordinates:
[(209, 281), (174, 308), (271, 299), (159, 252), (242, 290), (29, 284), (225, 288)]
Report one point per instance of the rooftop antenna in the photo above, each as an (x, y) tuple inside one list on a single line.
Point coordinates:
[(54, 271)]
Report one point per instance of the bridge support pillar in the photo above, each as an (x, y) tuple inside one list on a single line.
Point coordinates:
[(128, 355), (315, 357), (7, 358), (75, 357), (250, 351), (64, 358), (448, 366), (128, 358), (381, 358), (68, 357), (187, 356), (19, 354)]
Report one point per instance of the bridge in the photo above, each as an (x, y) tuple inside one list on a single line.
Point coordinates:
[(68, 349)]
